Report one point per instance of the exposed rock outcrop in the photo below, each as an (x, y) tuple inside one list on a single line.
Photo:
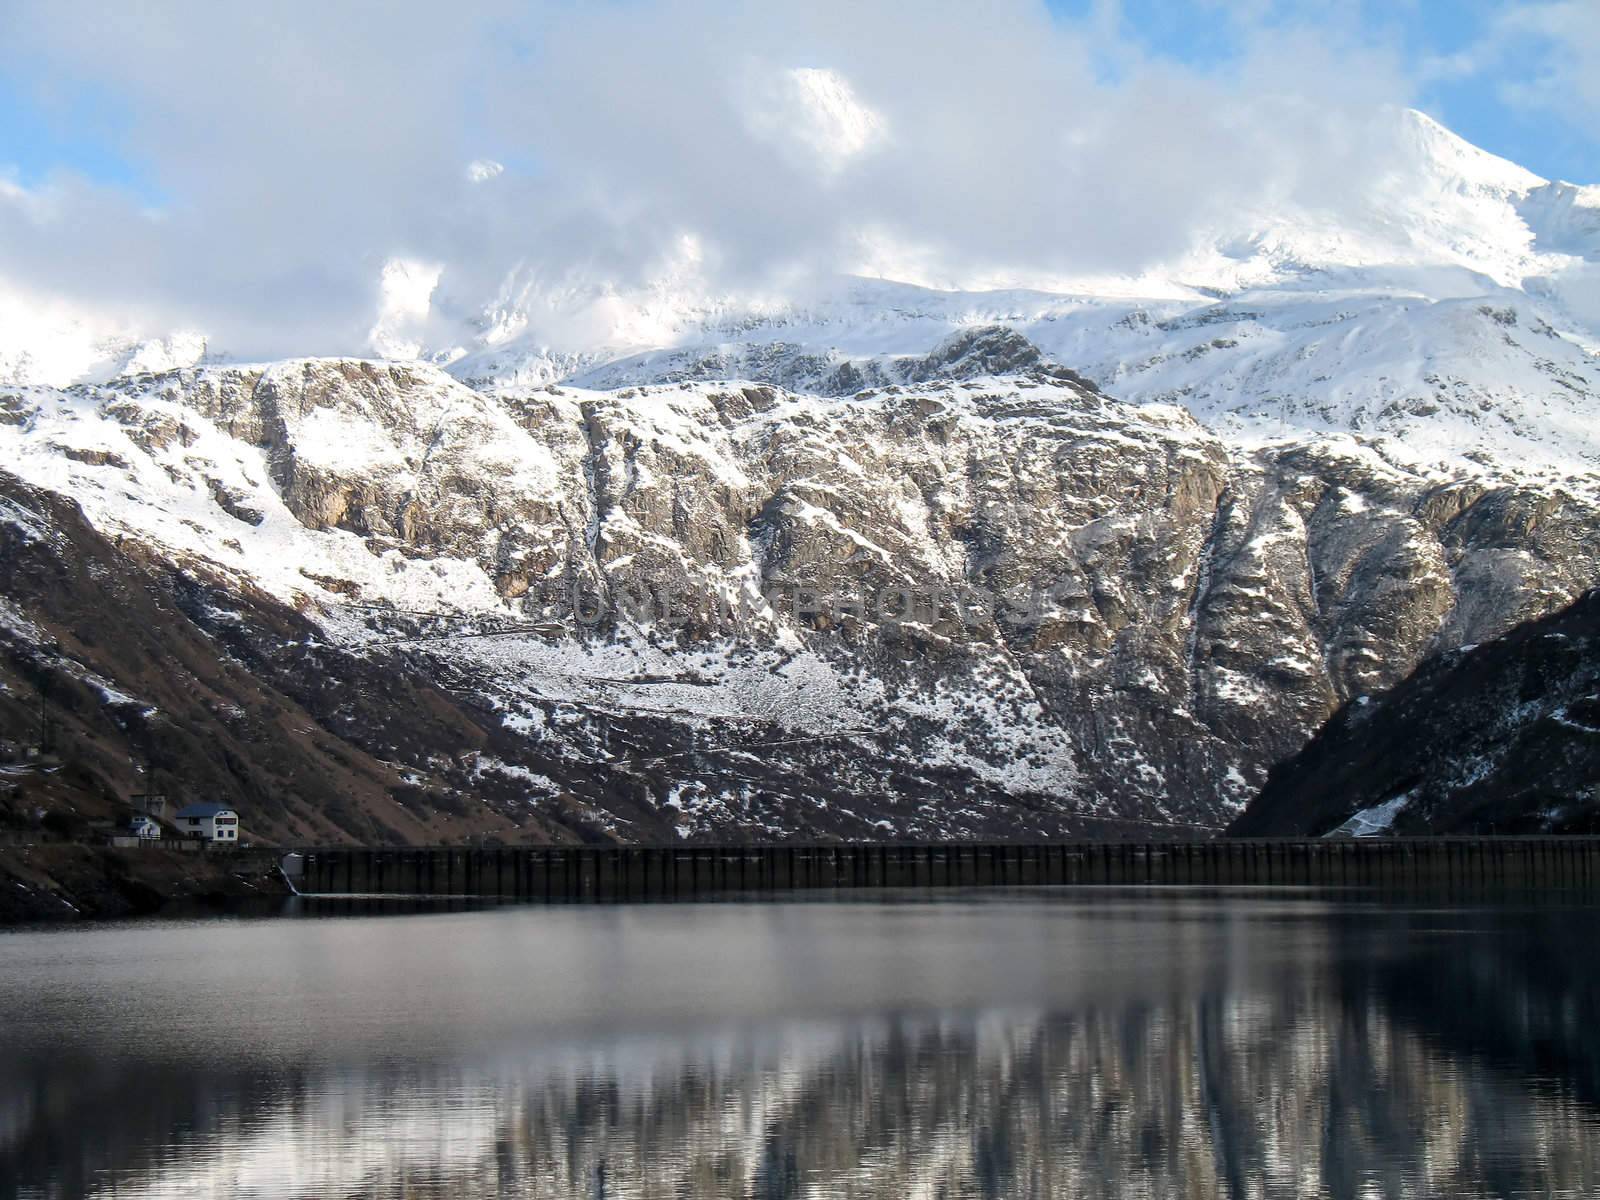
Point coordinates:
[(981, 596), (1498, 738)]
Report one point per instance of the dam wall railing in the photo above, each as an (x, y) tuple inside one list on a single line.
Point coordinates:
[(691, 871)]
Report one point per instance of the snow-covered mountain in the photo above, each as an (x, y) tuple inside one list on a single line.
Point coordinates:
[(990, 600), (1449, 309), (878, 559), (1455, 316)]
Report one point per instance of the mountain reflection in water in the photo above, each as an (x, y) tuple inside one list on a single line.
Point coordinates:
[(1072, 1044)]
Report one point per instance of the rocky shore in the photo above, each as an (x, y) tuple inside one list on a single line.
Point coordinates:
[(66, 882)]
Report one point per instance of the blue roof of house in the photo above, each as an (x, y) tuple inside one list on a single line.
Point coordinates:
[(204, 810)]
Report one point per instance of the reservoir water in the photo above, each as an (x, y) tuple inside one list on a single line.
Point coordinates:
[(1157, 1042)]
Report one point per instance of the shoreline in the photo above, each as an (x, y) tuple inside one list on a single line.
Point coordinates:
[(67, 882)]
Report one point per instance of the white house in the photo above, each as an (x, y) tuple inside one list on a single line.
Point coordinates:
[(144, 828), (208, 822)]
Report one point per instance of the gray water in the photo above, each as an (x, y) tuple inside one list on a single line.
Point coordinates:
[(1139, 1042)]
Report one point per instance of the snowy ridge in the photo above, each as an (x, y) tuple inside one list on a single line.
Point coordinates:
[(1455, 313), (1452, 309)]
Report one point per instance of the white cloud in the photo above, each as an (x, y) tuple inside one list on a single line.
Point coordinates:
[(1567, 40), (405, 292), (183, 348), (972, 143), (814, 110), (45, 340)]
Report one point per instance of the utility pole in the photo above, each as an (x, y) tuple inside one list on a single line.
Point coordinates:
[(46, 733), (149, 767)]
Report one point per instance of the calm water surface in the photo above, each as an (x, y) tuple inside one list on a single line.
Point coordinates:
[(1142, 1043)]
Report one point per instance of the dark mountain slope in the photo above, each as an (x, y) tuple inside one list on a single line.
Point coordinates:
[(1498, 738), (226, 695)]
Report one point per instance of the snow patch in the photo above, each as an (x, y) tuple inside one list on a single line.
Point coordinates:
[(1374, 821)]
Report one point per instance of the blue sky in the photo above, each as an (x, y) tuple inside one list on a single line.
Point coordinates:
[(1471, 61), (43, 129)]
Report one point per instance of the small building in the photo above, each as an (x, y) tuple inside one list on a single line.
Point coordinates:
[(215, 823), (152, 804), (145, 828)]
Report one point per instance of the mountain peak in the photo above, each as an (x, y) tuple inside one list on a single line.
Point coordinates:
[(1458, 160)]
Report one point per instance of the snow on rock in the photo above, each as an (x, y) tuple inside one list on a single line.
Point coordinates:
[(982, 569), (1374, 821), (1454, 314)]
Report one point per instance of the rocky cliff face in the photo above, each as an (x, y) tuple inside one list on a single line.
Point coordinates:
[(1498, 738), (975, 597)]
